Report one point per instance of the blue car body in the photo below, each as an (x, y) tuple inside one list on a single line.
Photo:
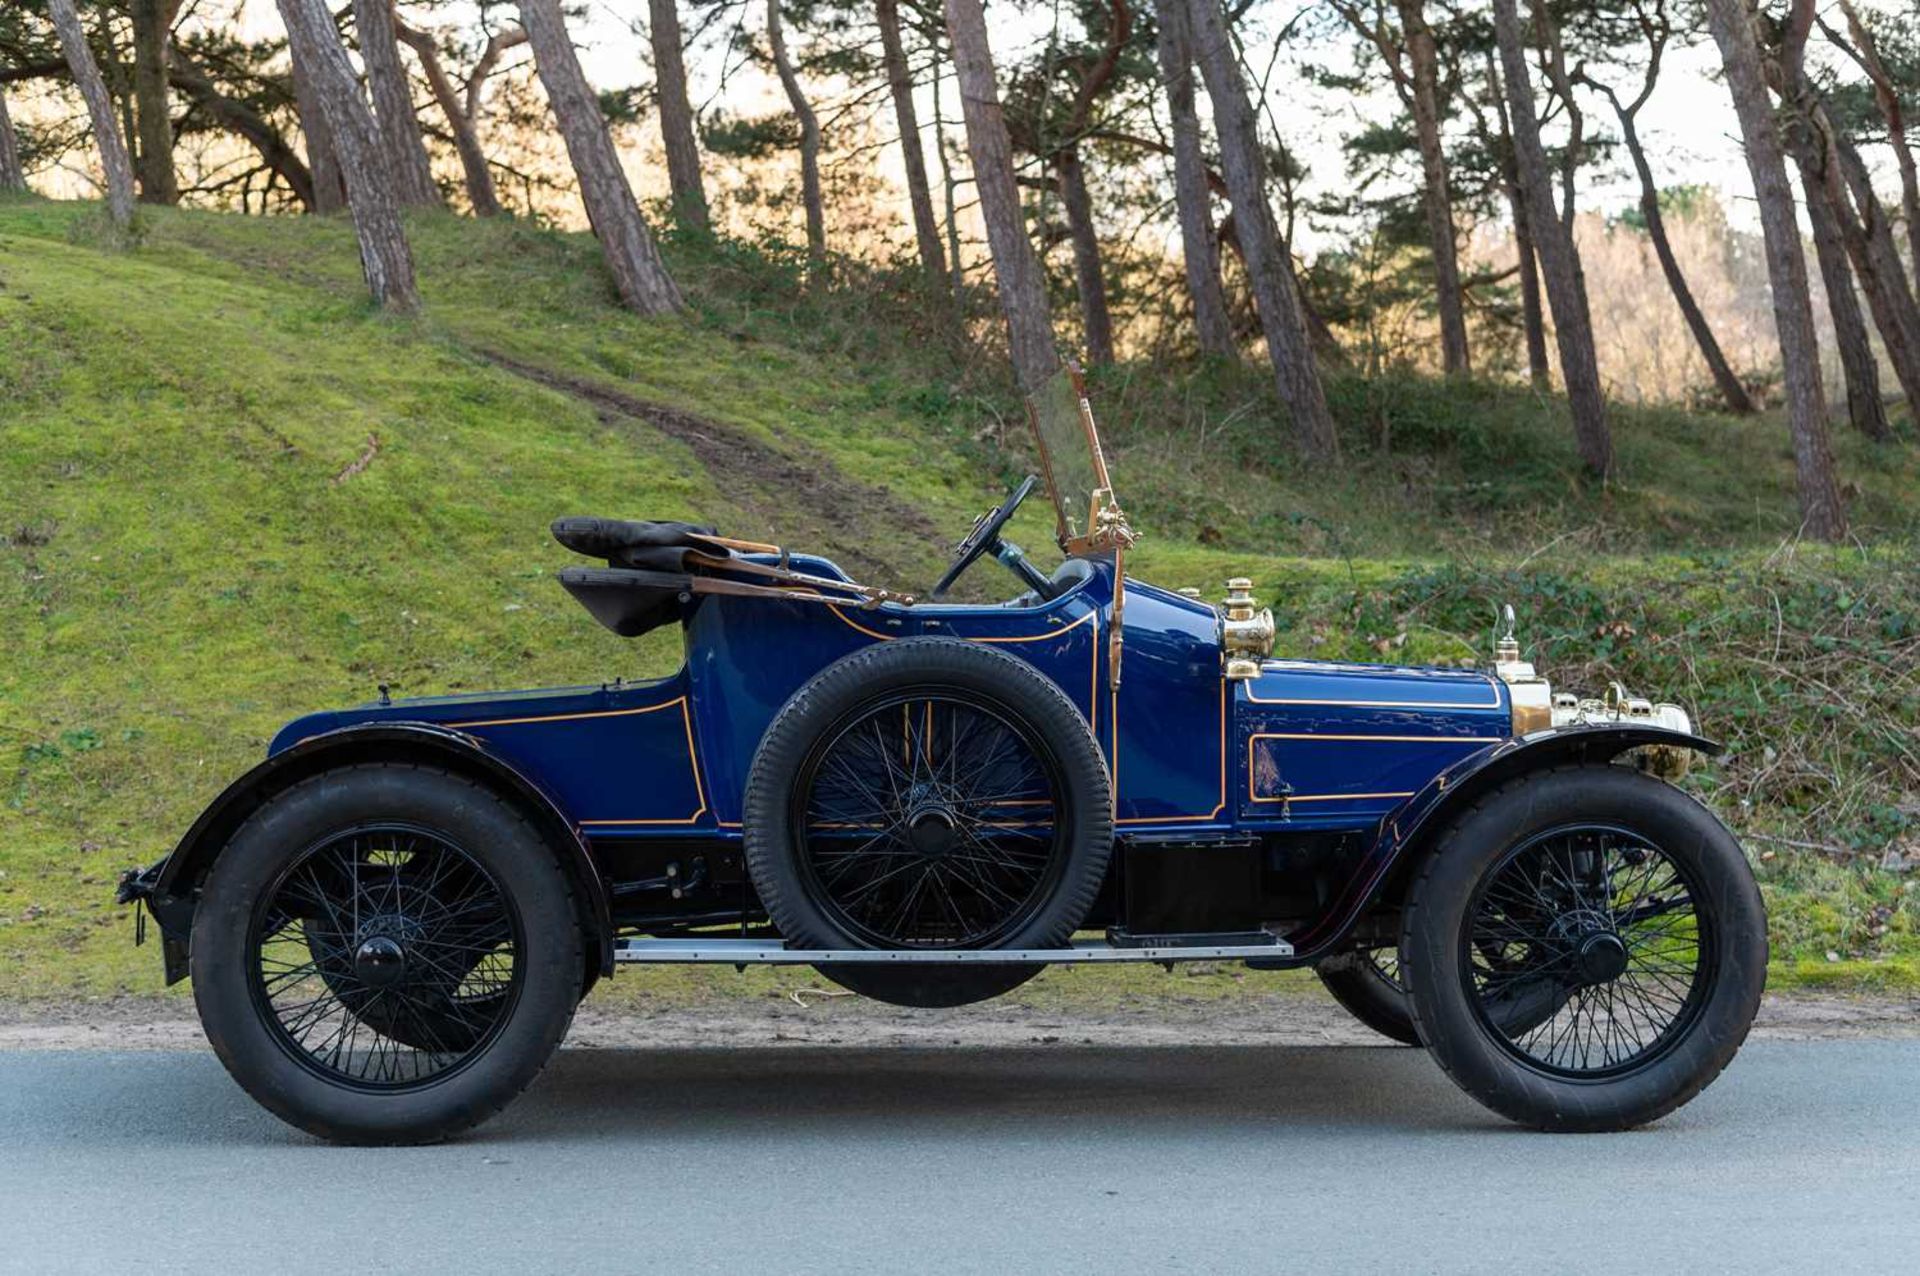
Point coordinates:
[(1314, 755), (1306, 745)]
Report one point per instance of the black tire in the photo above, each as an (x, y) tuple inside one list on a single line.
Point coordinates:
[(1367, 987), (429, 1094), (971, 692), (1684, 911)]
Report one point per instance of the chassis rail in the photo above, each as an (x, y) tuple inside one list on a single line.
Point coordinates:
[(772, 952)]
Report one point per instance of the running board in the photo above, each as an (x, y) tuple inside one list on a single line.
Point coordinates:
[(772, 952)]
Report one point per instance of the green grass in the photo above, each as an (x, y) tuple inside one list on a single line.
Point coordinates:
[(198, 539)]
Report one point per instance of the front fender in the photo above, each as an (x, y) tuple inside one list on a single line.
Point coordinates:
[(171, 888), (1401, 835)]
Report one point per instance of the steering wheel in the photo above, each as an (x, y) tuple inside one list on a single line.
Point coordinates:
[(985, 539)]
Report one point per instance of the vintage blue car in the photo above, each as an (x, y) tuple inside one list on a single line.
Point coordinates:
[(390, 921)]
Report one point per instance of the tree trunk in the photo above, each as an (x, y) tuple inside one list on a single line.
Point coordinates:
[(1088, 270), (1822, 512), (385, 258), (13, 178), (1326, 347), (1070, 169), (106, 131), (1895, 332), (676, 115), (1269, 267), (1886, 95), (1869, 245), (152, 24), (1327, 350), (1824, 153), (1533, 319), (809, 137), (1731, 390), (323, 158), (1016, 269), (949, 185), (1198, 244), (1559, 260), (638, 273), (1876, 233), (408, 170), (926, 229), (1861, 370), (1533, 323), (1553, 60), (1438, 204), (478, 174), (238, 117)]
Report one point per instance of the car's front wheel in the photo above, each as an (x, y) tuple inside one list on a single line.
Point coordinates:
[(1624, 919), (386, 954)]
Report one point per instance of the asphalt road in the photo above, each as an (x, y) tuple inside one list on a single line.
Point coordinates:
[(1055, 1158)]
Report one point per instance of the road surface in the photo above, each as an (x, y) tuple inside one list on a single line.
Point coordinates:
[(1804, 1156)]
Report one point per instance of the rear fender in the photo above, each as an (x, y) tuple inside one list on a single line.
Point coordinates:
[(171, 888), (1407, 834)]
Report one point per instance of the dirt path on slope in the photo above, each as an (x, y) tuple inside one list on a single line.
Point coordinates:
[(793, 493)]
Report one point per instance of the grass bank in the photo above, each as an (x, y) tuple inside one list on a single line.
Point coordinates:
[(229, 493)]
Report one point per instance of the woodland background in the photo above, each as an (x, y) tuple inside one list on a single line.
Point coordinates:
[(312, 316)]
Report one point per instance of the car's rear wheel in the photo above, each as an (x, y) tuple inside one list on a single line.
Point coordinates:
[(928, 794), (1366, 982), (1624, 920), (386, 954)]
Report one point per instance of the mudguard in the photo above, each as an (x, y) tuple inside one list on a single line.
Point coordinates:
[(1398, 842), (171, 887)]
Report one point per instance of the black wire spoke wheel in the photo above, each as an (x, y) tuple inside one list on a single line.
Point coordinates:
[(1367, 982), (926, 793), (387, 952), (385, 958), (929, 819), (1386, 965), (1584, 947), (1587, 951)]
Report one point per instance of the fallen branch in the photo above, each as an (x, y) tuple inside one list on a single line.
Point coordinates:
[(1823, 848), (361, 462), (796, 994)]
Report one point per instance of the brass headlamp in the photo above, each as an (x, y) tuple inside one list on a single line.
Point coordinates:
[(1246, 634), (1536, 707)]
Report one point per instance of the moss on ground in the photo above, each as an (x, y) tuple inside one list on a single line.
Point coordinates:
[(230, 493)]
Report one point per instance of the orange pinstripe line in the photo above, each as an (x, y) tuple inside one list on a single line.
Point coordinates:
[(1402, 739), (1054, 633), (571, 717), (1254, 796), (1254, 697), (1179, 819), (686, 721)]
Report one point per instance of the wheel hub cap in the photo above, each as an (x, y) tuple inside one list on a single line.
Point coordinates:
[(1602, 958), (933, 832), (380, 961)]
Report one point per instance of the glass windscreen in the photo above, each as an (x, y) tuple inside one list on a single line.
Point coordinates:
[(1069, 451)]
